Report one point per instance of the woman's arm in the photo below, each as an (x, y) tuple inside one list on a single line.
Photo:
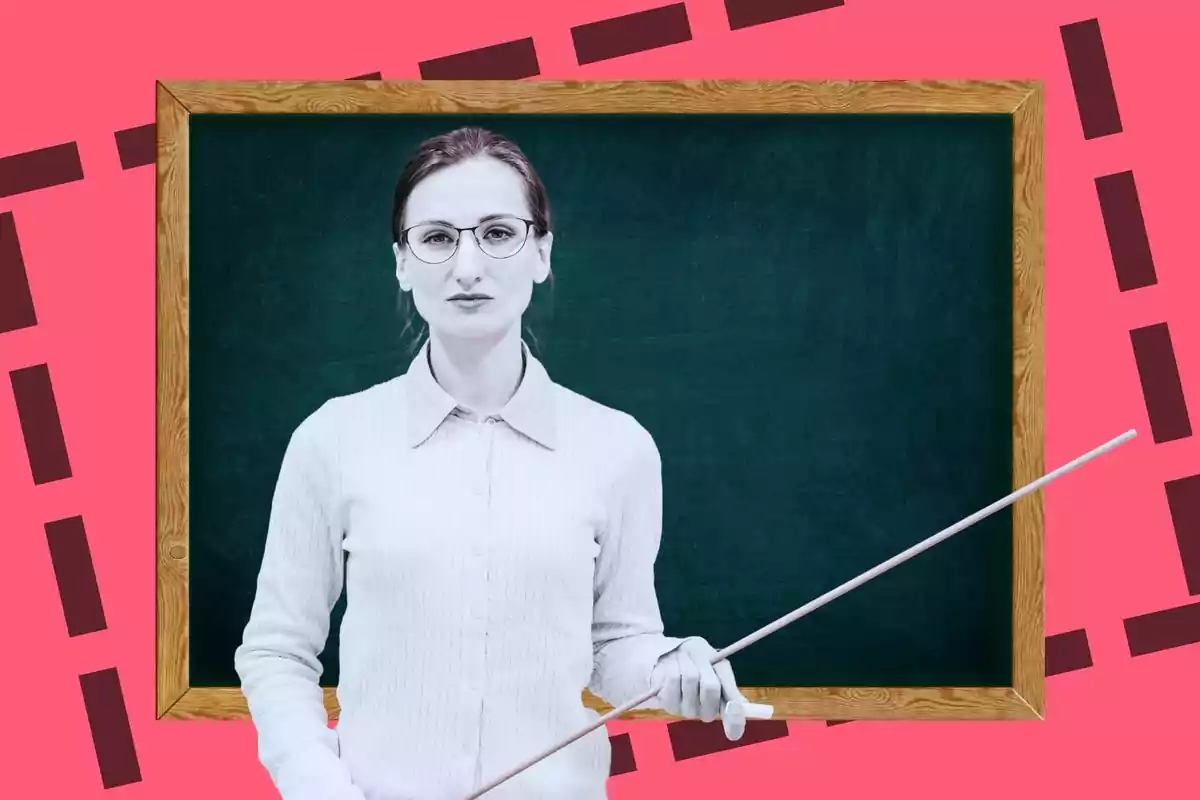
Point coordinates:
[(298, 584), (627, 629)]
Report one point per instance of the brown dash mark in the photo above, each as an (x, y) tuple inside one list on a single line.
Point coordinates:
[(631, 33), (1091, 78), (40, 169), (692, 738), (1163, 630), (622, 755), (1183, 499), (40, 425), (136, 146), (1067, 652), (506, 61), (747, 13), (109, 723), (1126, 230), (16, 301), (1161, 386), (75, 574)]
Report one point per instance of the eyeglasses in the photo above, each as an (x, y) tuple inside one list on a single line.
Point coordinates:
[(434, 243)]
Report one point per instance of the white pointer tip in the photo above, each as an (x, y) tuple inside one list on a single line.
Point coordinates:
[(736, 708)]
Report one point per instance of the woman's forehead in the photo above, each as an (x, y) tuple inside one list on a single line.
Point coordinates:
[(466, 192)]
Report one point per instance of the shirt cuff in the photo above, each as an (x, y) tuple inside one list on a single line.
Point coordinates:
[(624, 666)]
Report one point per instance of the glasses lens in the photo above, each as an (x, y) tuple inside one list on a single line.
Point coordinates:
[(498, 238), (432, 243), (501, 238)]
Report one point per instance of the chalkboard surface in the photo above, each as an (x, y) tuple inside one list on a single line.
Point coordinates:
[(811, 314)]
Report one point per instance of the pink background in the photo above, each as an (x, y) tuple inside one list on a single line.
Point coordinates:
[(77, 72)]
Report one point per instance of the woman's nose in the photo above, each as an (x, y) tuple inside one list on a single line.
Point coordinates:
[(469, 258)]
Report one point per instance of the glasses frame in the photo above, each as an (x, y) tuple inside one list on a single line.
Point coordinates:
[(529, 226)]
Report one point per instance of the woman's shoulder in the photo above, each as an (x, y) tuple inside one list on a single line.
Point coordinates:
[(584, 418), (340, 416)]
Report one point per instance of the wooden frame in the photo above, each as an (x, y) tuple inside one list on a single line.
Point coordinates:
[(176, 102)]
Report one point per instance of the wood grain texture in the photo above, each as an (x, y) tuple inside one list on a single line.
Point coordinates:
[(623, 97), (1022, 100), (172, 400), (1029, 396), (880, 703), (818, 703)]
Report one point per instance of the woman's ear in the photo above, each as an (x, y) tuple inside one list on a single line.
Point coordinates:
[(401, 267), (544, 245)]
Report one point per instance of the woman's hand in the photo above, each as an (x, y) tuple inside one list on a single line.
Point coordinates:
[(690, 685)]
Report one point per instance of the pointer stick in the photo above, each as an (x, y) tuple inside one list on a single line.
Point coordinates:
[(825, 598)]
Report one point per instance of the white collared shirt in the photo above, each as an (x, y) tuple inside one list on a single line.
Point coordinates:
[(493, 570)]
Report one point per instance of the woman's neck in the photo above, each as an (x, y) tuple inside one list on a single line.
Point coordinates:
[(481, 375)]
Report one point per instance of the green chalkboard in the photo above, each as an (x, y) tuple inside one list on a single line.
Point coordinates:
[(811, 314)]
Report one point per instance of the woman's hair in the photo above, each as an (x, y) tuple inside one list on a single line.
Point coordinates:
[(451, 148), (461, 145)]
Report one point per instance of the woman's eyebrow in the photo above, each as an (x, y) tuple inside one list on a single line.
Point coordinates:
[(483, 219)]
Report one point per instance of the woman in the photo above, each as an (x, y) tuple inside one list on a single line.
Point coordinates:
[(497, 533)]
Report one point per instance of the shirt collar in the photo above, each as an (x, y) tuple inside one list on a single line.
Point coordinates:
[(531, 410)]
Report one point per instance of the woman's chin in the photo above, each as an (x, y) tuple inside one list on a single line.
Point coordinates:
[(475, 326)]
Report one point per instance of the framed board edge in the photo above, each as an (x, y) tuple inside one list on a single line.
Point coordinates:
[(865, 703), (171, 402), (1022, 100), (1029, 358)]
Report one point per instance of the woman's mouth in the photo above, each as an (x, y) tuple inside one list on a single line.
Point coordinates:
[(468, 301)]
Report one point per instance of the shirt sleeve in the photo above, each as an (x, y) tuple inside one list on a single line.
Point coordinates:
[(627, 628), (299, 582)]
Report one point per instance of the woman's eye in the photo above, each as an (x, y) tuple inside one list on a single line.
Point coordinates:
[(436, 238), (499, 234)]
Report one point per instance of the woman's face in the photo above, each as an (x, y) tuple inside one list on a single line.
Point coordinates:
[(471, 294)]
